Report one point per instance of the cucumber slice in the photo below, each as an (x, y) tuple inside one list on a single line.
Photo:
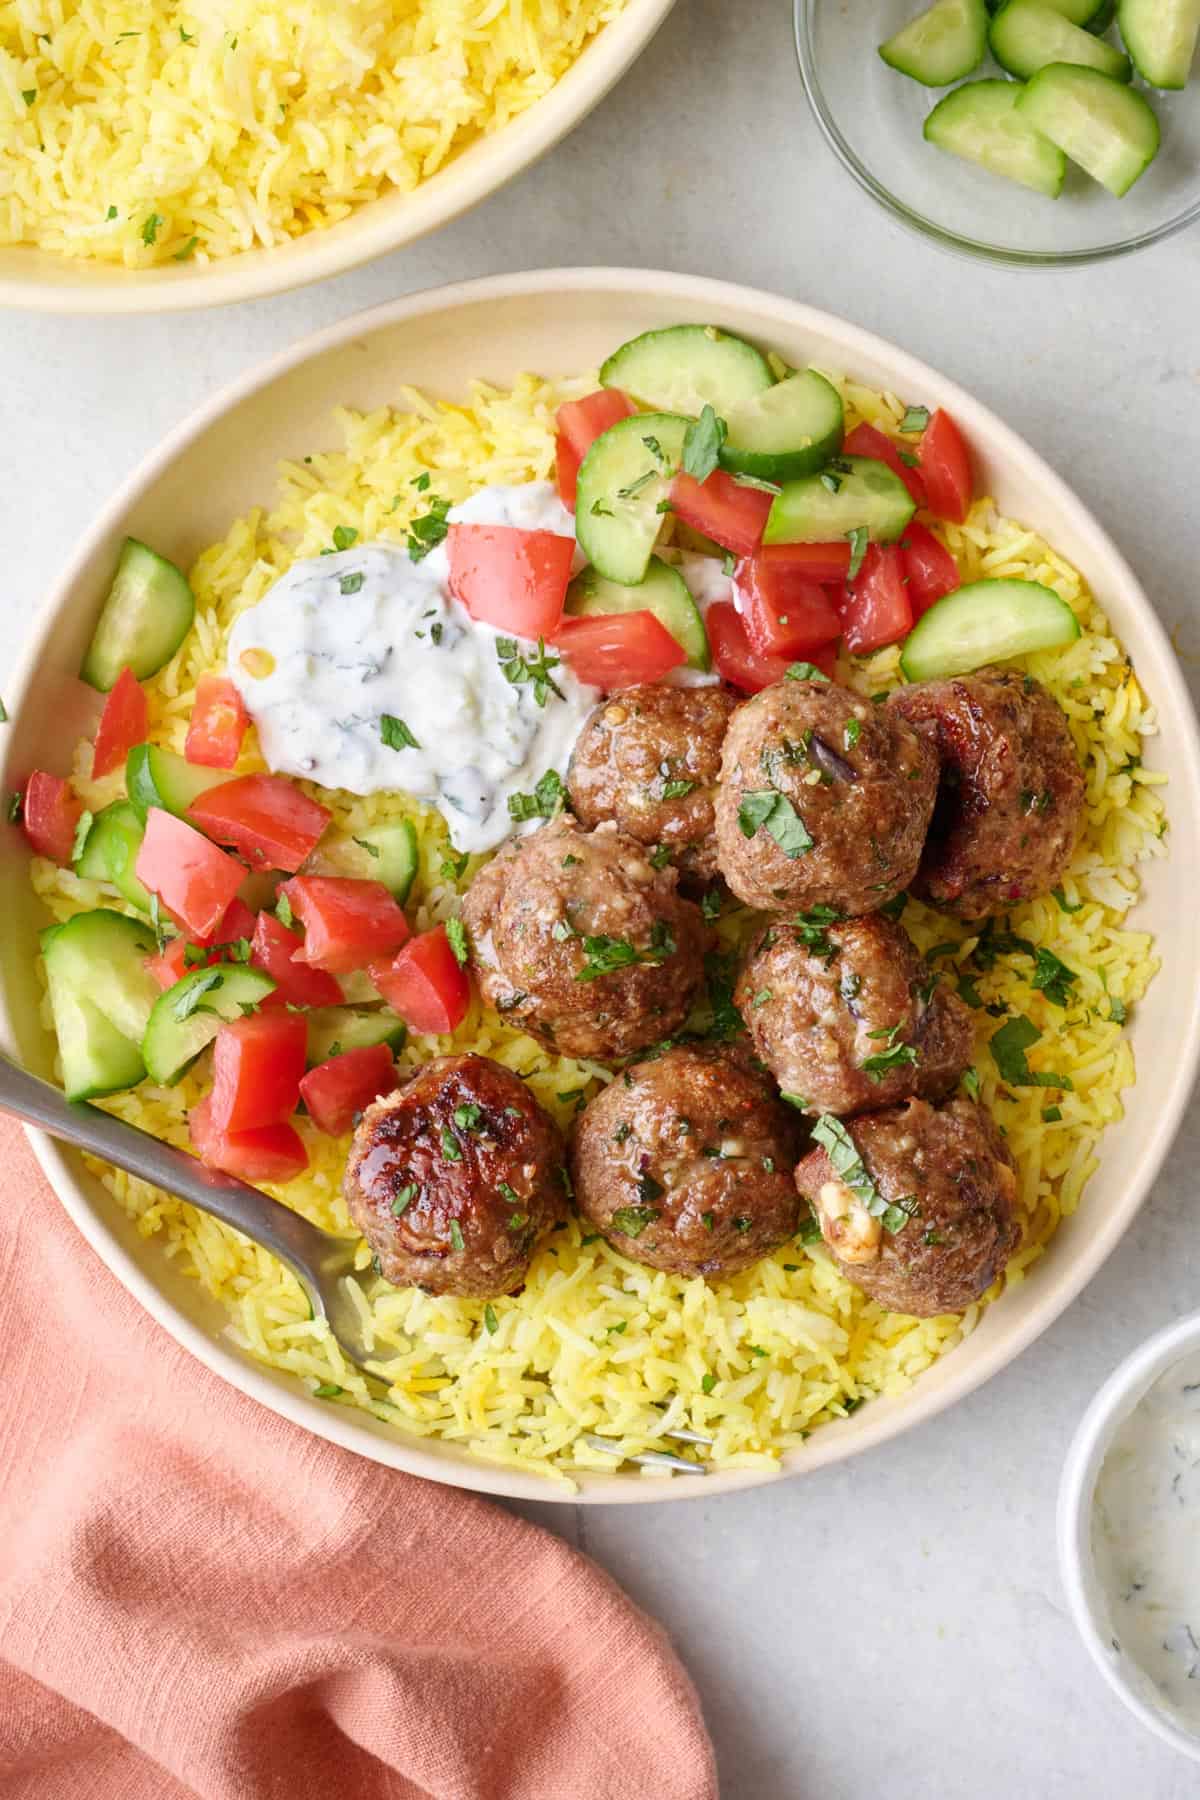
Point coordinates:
[(940, 45), (187, 1017), (663, 592), (980, 122), (1160, 36), (986, 622), (386, 852), (111, 852), (1093, 15), (786, 431), (147, 615), (1026, 37), (623, 480), (1107, 128), (685, 367), (96, 1059), (158, 777), (101, 956), (332, 1029), (814, 510)]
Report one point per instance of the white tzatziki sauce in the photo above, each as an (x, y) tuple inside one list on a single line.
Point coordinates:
[(1146, 1537), (343, 642)]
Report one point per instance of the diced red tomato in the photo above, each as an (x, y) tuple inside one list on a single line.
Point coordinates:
[(257, 1065), (265, 818), (875, 605), (617, 650), (724, 510), (50, 814), (865, 440), (346, 921), (425, 984), (740, 664), (946, 466), (580, 423), (335, 1092), (267, 1153), (195, 881), (171, 964), (513, 580), (929, 568), (822, 563), (123, 723), (274, 951), (784, 615), (217, 725)]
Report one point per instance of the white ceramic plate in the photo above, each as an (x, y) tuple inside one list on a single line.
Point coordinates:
[(561, 322), (44, 282)]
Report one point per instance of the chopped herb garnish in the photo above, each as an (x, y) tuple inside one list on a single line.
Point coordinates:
[(371, 850), (468, 1115), (395, 733), (185, 254), (858, 540), (1118, 1012), (344, 537), (350, 584), (1065, 905), (283, 910), (456, 1235), (455, 867), (1052, 1114), (852, 733), (86, 820), (677, 790), (660, 857), (15, 807), (968, 992), (915, 419), (831, 481), (456, 937), (622, 1132), (188, 1003), (842, 1152), (1008, 1047), (720, 975), (534, 669), (809, 1230), (328, 1390), (702, 444), (604, 954), (805, 671), (708, 1383), (429, 529), (573, 1096), (1053, 978), (755, 481), (631, 1221), (451, 1148), (800, 1101), (769, 809), (908, 459), (150, 228), (404, 1198), (547, 799), (894, 908), (897, 1056), (710, 904), (970, 1081), (490, 1321)]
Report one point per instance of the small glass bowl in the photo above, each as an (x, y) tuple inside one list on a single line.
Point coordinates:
[(872, 118)]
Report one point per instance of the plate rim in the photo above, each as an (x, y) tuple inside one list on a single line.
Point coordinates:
[(834, 1442)]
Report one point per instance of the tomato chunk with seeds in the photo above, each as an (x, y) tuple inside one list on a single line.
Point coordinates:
[(744, 667), (346, 921), (784, 615), (875, 607), (218, 724), (257, 1066), (617, 650), (946, 468), (123, 723), (337, 1091), (50, 815), (580, 423), (929, 569), (425, 984), (264, 817), (274, 950), (511, 579), (865, 440), (272, 1153), (723, 510), (194, 880)]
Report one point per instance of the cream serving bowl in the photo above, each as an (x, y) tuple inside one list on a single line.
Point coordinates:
[(42, 281), (223, 460)]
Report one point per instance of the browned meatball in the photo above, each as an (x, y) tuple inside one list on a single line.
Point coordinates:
[(452, 1179), (649, 760), (685, 1162), (1011, 794), (824, 800), (848, 1017), (937, 1224), (579, 941)]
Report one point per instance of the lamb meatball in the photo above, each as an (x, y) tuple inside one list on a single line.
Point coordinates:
[(648, 758), (685, 1162), (579, 941), (948, 1172), (1010, 798), (849, 1017), (452, 1179), (824, 800)]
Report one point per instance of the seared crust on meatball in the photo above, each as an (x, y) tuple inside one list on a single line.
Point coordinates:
[(648, 759), (579, 941), (848, 1017), (824, 800), (452, 1179), (685, 1162), (948, 1169), (1010, 798)]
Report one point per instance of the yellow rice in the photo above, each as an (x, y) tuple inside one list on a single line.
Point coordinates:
[(141, 132), (596, 1343)]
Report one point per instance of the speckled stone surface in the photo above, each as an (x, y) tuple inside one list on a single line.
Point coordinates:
[(893, 1626)]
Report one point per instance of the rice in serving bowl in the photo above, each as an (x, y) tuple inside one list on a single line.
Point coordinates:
[(140, 134), (595, 1343)]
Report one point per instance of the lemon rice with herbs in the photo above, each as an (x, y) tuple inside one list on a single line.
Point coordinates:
[(595, 1343), (149, 131)]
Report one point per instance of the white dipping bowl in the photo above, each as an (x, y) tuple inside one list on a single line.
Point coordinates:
[(1086, 1593)]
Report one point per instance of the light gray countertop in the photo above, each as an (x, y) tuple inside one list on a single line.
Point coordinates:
[(894, 1625)]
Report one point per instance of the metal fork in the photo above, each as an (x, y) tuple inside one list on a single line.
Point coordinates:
[(322, 1263)]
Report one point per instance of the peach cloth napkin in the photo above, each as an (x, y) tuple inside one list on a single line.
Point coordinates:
[(198, 1599)]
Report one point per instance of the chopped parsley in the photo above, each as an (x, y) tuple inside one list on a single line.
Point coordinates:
[(970, 1081), (631, 1221), (767, 808), (915, 419), (395, 733), (455, 867), (1118, 1012), (811, 929), (677, 790), (805, 671), (720, 975), (1053, 978), (702, 444), (534, 669), (896, 1056), (86, 820), (350, 584), (456, 936), (660, 856), (344, 537), (852, 733), (1008, 1047), (756, 481), (547, 799), (404, 1199), (427, 531), (842, 1152), (187, 1003), (858, 540), (372, 850), (800, 1101), (328, 1390), (1051, 1114), (150, 228), (894, 909), (605, 954), (468, 1115), (710, 904), (451, 1148), (1065, 905), (490, 1321), (575, 1096), (283, 910), (456, 1235), (15, 807), (708, 1383)]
